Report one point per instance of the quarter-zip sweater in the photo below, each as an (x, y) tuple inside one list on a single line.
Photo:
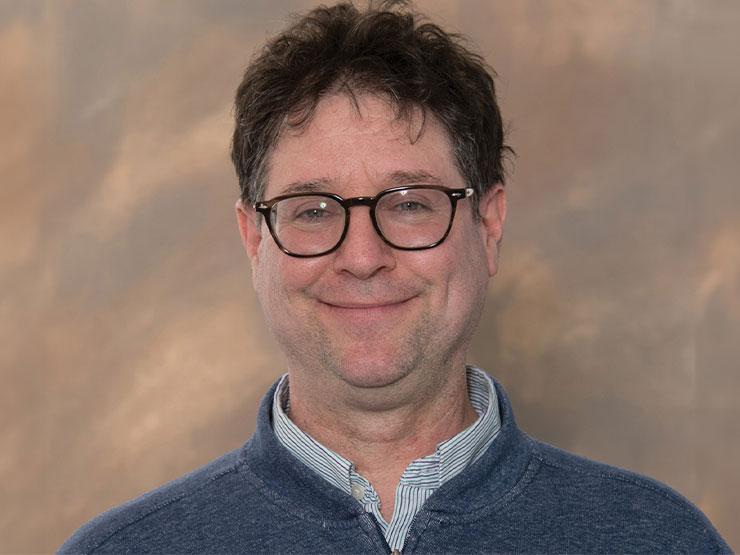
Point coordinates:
[(522, 495), (420, 479)]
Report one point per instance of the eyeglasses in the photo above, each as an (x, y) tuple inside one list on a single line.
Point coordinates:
[(407, 218)]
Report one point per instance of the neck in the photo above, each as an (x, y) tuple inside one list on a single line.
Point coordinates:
[(382, 440)]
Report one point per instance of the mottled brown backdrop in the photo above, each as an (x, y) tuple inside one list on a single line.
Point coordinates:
[(131, 346)]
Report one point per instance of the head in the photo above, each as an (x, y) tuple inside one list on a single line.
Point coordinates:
[(387, 51), (355, 103)]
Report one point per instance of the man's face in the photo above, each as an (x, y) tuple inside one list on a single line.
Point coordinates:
[(370, 316)]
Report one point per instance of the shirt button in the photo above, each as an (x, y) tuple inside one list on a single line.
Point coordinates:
[(358, 492)]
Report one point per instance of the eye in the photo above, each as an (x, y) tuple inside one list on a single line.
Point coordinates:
[(414, 202), (410, 206), (314, 210), (307, 210), (313, 214)]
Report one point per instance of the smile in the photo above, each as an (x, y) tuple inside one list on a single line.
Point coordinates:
[(352, 305), (376, 313)]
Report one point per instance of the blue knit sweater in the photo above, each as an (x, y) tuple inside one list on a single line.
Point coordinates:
[(520, 496)]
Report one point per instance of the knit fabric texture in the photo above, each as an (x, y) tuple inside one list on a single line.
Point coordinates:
[(420, 479), (521, 496)]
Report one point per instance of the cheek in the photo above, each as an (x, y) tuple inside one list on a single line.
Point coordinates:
[(457, 275), (268, 279), (278, 277), (469, 273)]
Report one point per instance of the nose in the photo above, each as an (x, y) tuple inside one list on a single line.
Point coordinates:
[(363, 253)]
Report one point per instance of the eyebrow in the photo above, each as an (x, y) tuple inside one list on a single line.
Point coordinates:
[(419, 177), (398, 178), (315, 185)]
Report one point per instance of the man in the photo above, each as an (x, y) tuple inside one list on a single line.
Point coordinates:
[(369, 151)]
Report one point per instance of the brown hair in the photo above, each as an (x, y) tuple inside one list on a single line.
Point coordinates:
[(386, 50)]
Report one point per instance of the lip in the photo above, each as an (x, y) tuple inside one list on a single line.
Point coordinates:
[(354, 305), (365, 315)]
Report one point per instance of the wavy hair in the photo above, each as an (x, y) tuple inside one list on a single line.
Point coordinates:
[(387, 50)]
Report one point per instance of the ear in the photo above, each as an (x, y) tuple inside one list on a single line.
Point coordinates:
[(246, 217), (492, 209)]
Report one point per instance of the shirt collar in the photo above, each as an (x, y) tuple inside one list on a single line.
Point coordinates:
[(450, 458)]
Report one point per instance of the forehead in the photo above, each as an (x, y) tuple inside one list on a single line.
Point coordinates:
[(357, 149)]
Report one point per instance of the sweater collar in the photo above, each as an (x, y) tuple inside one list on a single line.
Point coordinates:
[(450, 458), (290, 483)]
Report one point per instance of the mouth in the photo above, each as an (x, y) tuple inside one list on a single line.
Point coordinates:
[(364, 305), (376, 313)]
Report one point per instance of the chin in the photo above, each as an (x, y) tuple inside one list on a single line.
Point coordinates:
[(368, 380), (370, 371), (371, 361)]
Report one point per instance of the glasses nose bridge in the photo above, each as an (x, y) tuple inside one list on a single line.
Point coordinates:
[(370, 202)]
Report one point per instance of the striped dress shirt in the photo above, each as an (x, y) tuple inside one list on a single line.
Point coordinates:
[(420, 479)]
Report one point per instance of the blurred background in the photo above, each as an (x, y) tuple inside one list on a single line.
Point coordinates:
[(132, 349)]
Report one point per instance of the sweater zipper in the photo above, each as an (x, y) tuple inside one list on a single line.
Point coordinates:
[(381, 537), (406, 539)]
